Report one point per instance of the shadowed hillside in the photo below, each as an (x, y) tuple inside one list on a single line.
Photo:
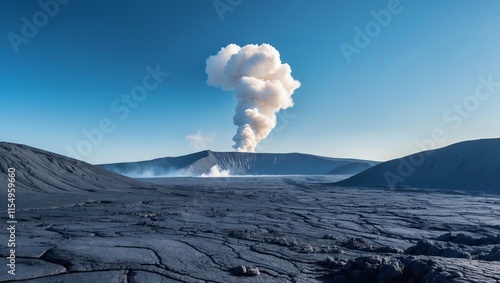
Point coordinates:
[(470, 165), (41, 171)]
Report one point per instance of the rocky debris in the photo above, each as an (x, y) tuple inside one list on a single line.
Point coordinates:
[(265, 237), (284, 240), (367, 269), (433, 248), (242, 270), (333, 249), (361, 244), (330, 237), (253, 271), (470, 247), (427, 270), (333, 262), (470, 240), (293, 244), (494, 255), (388, 270)]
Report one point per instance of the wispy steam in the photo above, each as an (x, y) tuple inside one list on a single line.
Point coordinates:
[(200, 141), (262, 84), (215, 171)]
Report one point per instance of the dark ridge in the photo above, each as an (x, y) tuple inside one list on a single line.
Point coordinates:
[(242, 163), (42, 171), (470, 165)]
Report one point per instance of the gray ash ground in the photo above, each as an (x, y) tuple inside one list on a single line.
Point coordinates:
[(268, 229)]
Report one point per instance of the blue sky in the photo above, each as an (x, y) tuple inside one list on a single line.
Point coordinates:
[(387, 100)]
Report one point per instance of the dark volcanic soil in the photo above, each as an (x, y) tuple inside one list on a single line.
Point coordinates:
[(274, 229)]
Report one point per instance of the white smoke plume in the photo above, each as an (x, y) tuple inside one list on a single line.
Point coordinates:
[(262, 84), (215, 171)]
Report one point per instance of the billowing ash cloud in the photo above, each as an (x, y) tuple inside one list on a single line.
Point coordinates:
[(262, 84)]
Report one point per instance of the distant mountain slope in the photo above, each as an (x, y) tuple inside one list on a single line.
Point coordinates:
[(42, 171), (241, 163), (349, 168), (471, 165)]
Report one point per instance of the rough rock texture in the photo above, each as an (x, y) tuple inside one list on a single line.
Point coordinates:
[(403, 269), (284, 229), (279, 228), (469, 240), (438, 249), (469, 247), (494, 255)]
